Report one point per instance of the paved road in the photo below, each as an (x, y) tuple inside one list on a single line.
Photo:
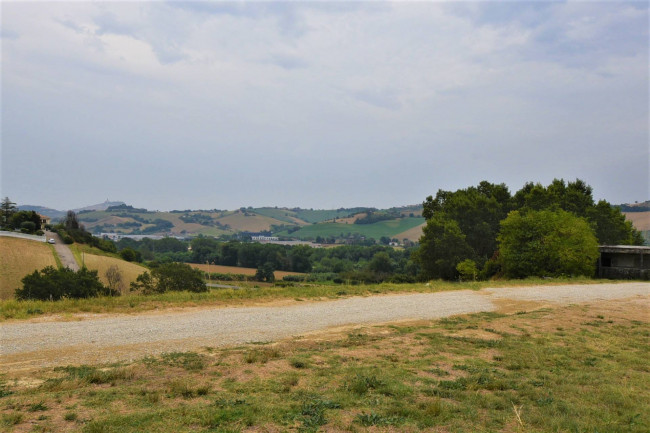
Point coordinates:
[(63, 251), (120, 337)]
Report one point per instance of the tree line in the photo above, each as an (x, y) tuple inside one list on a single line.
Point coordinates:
[(538, 231)]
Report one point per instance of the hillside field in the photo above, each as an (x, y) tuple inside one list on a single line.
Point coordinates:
[(237, 270), (389, 228), (19, 258), (130, 271)]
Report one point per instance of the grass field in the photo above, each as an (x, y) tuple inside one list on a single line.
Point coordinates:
[(19, 258), (573, 369), (383, 228), (237, 270)]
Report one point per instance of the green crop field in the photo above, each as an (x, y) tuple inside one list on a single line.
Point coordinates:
[(388, 228)]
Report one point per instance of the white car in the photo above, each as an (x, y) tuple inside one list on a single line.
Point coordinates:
[(50, 241)]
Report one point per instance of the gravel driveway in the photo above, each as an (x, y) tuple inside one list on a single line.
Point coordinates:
[(122, 337)]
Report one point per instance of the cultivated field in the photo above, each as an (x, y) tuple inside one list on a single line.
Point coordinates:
[(524, 368), (413, 234), (20, 257), (236, 270), (640, 220)]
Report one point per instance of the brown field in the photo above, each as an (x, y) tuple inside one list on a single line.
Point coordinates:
[(130, 271), (19, 258), (236, 270), (640, 220), (411, 234)]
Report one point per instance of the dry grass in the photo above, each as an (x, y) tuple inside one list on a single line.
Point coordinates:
[(19, 258), (640, 220), (236, 270), (413, 234), (130, 271)]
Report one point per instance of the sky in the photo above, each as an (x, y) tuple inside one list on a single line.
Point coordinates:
[(218, 105)]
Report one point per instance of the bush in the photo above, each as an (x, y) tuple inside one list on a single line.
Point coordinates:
[(467, 270), (54, 284)]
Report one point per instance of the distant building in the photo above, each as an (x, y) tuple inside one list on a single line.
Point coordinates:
[(624, 262), (264, 238), (44, 219)]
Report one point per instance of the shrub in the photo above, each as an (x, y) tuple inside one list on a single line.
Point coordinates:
[(54, 284)]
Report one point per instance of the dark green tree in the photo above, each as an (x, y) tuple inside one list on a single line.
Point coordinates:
[(611, 226), (7, 209), (442, 246)]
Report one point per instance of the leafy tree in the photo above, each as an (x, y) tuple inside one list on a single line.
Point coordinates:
[(130, 255), (265, 273), (170, 276), (547, 243), (477, 211), (381, 264), (177, 277), (7, 209), (145, 283), (467, 270), (18, 219), (611, 226), (442, 247)]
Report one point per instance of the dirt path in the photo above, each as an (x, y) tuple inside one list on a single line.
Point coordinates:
[(63, 251), (122, 337)]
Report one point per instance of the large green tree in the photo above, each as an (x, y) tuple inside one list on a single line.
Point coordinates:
[(547, 243), (477, 211), (442, 246)]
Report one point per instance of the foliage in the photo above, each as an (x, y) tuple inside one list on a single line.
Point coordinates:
[(265, 273), (547, 243), (28, 220), (170, 277), (54, 284), (478, 212), (442, 246), (7, 209), (467, 270)]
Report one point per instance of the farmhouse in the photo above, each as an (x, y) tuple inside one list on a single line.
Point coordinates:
[(44, 219), (624, 261)]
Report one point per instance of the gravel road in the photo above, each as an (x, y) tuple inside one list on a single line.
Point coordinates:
[(122, 337)]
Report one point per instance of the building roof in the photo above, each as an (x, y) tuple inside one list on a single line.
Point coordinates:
[(624, 249)]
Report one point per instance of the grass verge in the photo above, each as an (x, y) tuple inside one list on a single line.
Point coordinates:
[(248, 294), (576, 368)]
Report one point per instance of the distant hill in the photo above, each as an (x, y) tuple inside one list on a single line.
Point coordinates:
[(52, 213), (58, 214), (635, 207), (289, 223)]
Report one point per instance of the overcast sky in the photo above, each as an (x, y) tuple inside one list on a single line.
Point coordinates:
[(171, 105)]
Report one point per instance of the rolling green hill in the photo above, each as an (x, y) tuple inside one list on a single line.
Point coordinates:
[(389, 228)]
